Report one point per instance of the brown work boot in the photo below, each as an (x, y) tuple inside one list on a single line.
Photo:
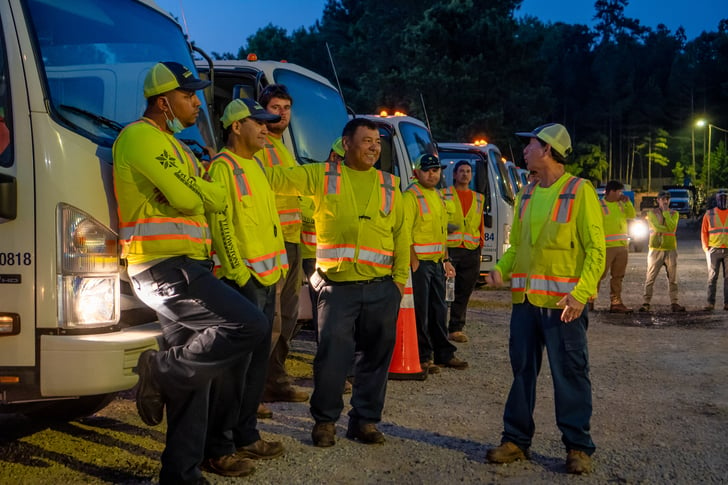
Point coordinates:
[(675, 307), (578, 462), (507, 452), (285, 394), (261, 450), (264, 412), (459, 337), (430, 367), (366, 433), (619, 308), (324, 434), (454, 363), (229, 466)]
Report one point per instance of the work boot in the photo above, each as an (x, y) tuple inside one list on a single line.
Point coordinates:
[(149, 400), (229, 466), (459, 337), (264, 412), (324, 434), (286, 393), (677, 308), (507, 452), (429, 367), (454, 363), (645, 308), (366, 433), (261, 450), (619, 308), (578, 462)]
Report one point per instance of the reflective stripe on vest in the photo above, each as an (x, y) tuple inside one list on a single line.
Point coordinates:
[(718, 234), (268, 263), (161, 228), (387, 194), (332, 178), (375, 257), (423, 249), (544, 285), (421, 201), (308, 238), (565, 203), (526, 199), (241, 180), (335, 253), (616, 237), (289, 216), (332, 185), (272, 154)]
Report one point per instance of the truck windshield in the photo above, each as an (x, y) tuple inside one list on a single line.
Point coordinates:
[(503, 185), (95, 56), (318, 115), (417, 140)]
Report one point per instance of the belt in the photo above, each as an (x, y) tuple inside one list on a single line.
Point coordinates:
[(355, 282)]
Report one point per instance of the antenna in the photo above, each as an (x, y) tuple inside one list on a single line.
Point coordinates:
[(336, 76), (424, 108), (184, 19)]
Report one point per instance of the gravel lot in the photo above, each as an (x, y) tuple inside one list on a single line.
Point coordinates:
[(660, 410)]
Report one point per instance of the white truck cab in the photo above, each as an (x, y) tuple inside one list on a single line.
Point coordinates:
[(71, 75), (490, 178)]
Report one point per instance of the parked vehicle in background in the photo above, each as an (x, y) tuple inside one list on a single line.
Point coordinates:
[(518, 177), (318, 115), (682, 199), (490, 178), (73, 73)]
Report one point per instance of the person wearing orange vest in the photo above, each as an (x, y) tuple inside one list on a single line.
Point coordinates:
[(163, 193), (662, 251), (427, 216), (279, 385), (248, 244), (362, 257), (554, 263), (617, 209), (465, 244), (714, 238)]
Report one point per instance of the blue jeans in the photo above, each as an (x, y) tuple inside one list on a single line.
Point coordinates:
[(532, 329), (207, 328)]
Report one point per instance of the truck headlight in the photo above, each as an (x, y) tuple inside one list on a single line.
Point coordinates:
[(638, 230), (88, 270)]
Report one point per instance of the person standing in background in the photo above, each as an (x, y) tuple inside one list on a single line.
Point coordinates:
[(714, 238), (464, 244)]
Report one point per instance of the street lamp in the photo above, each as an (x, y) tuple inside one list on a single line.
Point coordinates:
[(710, 134), (699, 123)]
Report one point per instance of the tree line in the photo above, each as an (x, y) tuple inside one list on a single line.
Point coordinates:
[(629, 95)]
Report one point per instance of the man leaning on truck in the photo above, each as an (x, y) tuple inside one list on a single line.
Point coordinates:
[(162, 196)]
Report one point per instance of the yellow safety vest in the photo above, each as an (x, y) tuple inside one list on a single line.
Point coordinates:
[(275, 154), (308, 229), (662, 236), (615, 222), (554, 266), (427, 211), (351, 246), (717, 230), (246, 237), (468, 232), (148, 163)]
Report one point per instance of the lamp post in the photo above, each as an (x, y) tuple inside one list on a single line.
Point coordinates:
[(710, 139), (699, 123)]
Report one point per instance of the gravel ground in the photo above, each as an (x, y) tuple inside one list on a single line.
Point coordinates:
[(660, 410)]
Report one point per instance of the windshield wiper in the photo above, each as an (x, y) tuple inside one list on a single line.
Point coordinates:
[(97, 118)]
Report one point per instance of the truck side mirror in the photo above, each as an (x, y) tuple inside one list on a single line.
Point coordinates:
[(8, 198)]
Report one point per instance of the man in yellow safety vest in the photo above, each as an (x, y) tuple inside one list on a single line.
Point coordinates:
[(554, 263)]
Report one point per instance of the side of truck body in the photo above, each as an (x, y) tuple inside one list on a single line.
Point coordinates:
[(72, 73)]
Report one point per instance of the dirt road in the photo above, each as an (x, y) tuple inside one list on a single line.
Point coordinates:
[(660, 410)]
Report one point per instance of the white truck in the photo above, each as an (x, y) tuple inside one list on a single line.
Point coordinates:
[(71, 75), (490, 178)]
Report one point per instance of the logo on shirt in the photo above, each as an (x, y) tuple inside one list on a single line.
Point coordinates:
[(166, 160)]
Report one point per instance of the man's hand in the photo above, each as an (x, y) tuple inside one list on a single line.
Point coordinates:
[(572, 308), (494, 279), (449, 269)]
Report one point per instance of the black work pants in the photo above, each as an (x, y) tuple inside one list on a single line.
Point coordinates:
[(207, 327), (428, 289), (467, 269), (356, 321)]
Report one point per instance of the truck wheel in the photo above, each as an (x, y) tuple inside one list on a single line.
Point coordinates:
[(69, 409)]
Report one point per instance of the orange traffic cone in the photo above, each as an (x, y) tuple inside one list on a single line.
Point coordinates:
[(406, 358)]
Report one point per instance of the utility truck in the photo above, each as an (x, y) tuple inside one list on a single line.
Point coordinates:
[(71, 75), (490, 178)]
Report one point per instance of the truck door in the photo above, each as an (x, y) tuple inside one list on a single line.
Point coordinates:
[(17, 209)]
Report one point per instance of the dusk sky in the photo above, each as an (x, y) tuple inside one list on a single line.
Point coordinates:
[(223, 25)]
